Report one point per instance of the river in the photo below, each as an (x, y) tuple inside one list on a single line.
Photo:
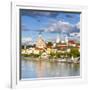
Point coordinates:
[(40, 69)]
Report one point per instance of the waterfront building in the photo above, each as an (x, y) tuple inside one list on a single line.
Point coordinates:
[(40, 42), (71, 43)]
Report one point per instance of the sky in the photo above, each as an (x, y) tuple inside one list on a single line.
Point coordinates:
[(49, 24)]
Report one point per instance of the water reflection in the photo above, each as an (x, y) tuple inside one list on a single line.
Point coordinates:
[(40, 69)]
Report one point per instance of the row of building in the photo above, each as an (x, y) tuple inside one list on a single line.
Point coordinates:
[(42, 46)]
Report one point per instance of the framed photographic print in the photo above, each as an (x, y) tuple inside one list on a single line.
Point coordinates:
[(48, 44)]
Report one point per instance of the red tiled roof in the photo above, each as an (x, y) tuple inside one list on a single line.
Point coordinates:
[(39, 48), (71, 42), (62, 46)]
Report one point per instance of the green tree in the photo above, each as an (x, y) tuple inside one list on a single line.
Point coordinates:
[(49, 44), (75, 52)]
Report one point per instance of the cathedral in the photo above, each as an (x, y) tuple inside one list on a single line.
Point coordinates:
[(40, 42)]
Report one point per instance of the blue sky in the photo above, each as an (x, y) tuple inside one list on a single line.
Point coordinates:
[(48, 23)]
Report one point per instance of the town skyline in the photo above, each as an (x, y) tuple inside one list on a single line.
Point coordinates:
[(50, 44), (49, 24)]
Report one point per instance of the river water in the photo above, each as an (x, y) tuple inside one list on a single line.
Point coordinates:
[(41, 69)]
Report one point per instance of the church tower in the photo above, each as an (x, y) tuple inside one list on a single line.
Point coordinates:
[(66, 40), (58, 38), (40, 43)]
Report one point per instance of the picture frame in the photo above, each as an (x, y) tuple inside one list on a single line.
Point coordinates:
[(15, 45)]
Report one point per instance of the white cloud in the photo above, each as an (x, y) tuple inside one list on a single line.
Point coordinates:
[(78, 25), (61, 26), (75, 34), (26, 40)]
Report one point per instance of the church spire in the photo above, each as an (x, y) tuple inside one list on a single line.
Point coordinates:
[(58, 38)]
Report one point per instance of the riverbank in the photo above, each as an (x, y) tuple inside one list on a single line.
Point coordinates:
[(61, 60)]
